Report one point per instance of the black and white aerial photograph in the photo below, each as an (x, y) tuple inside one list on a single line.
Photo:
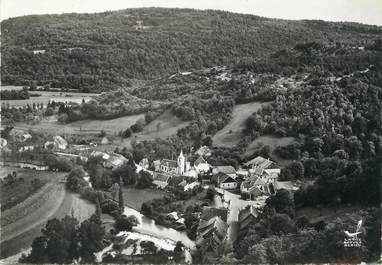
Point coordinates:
[(191, 132)]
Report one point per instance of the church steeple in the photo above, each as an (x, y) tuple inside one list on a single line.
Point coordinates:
[(181, 163)]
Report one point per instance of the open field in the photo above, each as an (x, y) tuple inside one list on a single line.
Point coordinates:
[(52, 126), (231, 134), (18, 191), (24, 221), (169, 124), (165, 125), (30, 173), (47, 96), (115, 125), (134, 198)]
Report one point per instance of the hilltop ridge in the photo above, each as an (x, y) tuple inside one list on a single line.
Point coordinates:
[(104, 51)]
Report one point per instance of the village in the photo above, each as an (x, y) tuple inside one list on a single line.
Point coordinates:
[(192, 133), (237, 195)]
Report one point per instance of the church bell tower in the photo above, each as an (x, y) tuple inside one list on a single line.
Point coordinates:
[(181, 163)]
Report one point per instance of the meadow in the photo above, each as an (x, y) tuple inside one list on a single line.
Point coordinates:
[(51, 125), (47, 96), (134, 198), (232, 133), (165, 125)]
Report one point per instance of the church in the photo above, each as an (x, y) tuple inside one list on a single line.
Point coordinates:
[(179, 167)]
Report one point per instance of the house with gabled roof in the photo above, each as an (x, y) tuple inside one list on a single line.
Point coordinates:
[(249, 189), (161, 180), (203, 151), (247, 216), (144, 163), (111, 160), (228, 170), (242, 172), (257, 171), (210, 212), (256, 186), (259, 162), (211, 235), (115, 161), (201, 165), (224, 181), (271, 175)]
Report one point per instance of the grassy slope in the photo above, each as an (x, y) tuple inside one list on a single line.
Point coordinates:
[(115, 125), (225, 138), (169, 125)]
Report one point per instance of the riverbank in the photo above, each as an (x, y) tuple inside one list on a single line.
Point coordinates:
[(148, 230), (149, 227)]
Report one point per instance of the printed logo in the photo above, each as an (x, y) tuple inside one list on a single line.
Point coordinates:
[(352, 239)]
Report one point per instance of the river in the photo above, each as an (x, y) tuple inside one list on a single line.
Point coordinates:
[(147, 226), (163, 237)]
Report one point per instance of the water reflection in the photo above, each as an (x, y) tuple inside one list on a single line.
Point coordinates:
[(148, 226)]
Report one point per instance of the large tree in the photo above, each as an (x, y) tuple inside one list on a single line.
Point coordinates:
[(91, 233)]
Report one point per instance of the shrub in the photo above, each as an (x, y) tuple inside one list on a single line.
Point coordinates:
[(89, 194), (127, 133), (125, 223), (147, 209), (108, 206)]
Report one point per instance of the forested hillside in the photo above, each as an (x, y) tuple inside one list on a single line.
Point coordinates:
[(102, 51)]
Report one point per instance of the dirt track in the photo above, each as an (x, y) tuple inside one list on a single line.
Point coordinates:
[(52, 201)]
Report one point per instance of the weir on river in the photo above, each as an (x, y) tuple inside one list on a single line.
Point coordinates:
[(147, 226), (159, 234)]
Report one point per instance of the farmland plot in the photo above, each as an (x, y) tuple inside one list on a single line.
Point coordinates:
[(47, 96), (52, 126), (23, 222)]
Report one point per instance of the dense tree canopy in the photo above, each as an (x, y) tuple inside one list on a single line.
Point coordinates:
[(92, 52)]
